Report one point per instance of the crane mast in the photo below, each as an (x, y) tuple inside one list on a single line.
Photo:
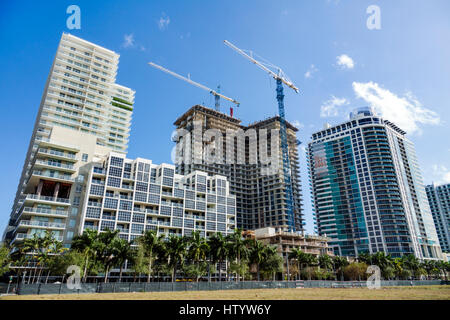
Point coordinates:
[(217, 95), (280, 78)]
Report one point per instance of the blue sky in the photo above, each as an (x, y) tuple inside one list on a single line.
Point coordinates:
[(402, 69)]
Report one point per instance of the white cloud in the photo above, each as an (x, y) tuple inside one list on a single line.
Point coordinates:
[(128, 40), (441, 174), (329, 107), (163, 22), (312, 69), (406, 112), (298, 124), (345, 62)]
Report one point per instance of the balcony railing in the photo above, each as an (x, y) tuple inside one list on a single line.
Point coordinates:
[(55, 164), (45, 211), (55, 175), (94, 204), (29, 223), (22, 236), (46, 198), (57, 153), (99, 170)]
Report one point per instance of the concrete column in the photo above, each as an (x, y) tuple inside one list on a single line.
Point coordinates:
[(55, 194), (39, 188)]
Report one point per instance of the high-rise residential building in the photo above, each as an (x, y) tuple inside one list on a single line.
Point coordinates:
[(367, 189), (439, 199), (83, 114), (134, 196), (260, 195)]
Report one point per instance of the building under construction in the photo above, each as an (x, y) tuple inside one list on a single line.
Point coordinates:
[(260, 198)]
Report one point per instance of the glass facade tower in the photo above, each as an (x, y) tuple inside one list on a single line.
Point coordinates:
[(367, 189)]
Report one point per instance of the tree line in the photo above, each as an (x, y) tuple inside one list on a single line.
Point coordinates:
[(194, 258)]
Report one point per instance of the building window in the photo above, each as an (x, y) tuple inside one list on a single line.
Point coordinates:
[(154, 188), (116, 172), (117, 162), (111, 203), (140, 196), (137, 217), (97, 190), (84, 157), (137, 228), (93, 213), (114, 182), (124, 216), (125, 205), (72, 223)]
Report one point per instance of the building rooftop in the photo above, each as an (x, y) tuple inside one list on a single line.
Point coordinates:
[(208, 111)]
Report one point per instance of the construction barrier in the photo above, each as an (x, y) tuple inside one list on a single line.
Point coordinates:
[(117, 287)]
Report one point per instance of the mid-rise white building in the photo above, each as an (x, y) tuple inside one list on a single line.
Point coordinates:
[(134, 196), (83, 112)]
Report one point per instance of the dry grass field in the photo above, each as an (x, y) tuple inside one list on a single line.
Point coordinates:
[(386, 293)]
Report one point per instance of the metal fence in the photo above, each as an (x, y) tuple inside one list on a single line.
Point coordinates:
[(116, 287)]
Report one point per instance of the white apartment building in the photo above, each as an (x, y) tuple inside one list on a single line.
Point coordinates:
[(134, 196), (83, 113)]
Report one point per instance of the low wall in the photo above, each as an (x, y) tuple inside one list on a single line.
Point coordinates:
[(27, 289)]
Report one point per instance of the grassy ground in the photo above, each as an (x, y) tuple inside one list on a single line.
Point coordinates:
[(386, 293)]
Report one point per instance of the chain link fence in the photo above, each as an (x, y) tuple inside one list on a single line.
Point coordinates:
[(117, 287)]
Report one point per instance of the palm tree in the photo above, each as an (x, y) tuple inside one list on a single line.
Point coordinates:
[(303, 259), (151, 242), (32, 246), (272, 261), (5, 259), (257, 255), (325, 262), (411, 263), (444, 267), (122, 252), (56, 248), (298, 255), (397, 264), (382, 260), (339, 264), (310, 260), (198, 248), (46, 244), (365, 257), (176, 251), (87, 243), (105, 248), (20, 258), (237, 248), (218, 250)]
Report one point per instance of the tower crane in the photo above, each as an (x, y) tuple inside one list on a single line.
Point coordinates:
[(280, 78), (217, 95)]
